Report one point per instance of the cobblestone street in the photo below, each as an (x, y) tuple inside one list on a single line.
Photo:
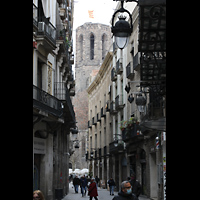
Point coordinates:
[(104, 194)]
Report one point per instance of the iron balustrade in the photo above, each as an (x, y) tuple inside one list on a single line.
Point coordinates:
[(119, 101), (46, 102), (62, 93), (47, 29), (155, 110)]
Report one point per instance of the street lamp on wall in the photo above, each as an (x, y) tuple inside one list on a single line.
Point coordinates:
[(122, 29), (140, 102)]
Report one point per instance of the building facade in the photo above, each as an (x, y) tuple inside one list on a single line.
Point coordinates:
[(92, 43), (130, 137), (53, 89)]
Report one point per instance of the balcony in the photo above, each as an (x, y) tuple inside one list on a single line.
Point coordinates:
[(113, 74), (136, 61), (119, 102), (46, 102), (132, 134), (119, 66), (62, 93), (112, 108), (129, 71), (155, 116), (46, 34), (62, 11), (94, 120), (89, 124), (103, 112), (98, 117)]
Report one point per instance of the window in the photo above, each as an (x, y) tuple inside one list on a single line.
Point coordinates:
[(81, 47), (103, 45), (91, 47)]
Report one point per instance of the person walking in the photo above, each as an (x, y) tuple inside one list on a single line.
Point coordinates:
[(126, 192), (76, 183), (97, 181), (136, 187), (83, 184), (92, 190), (111, 184), (37, 195)]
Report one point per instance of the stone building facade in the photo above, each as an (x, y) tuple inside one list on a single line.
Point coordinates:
[(53, 89), (127, 139), (92, 43)]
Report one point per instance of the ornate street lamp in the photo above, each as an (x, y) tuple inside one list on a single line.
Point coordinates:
[(140, 102), (122, 29)]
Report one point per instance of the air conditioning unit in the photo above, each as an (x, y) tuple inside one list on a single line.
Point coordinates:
[(41, 26)]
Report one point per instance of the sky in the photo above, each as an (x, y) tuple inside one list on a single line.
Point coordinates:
[(102, 12)]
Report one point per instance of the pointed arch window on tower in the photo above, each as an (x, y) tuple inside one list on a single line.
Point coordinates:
[(91, 47), (81, 47), (103, 45)]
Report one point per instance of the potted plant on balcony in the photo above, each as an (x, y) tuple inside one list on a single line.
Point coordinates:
[(123, 125), (132, 125)]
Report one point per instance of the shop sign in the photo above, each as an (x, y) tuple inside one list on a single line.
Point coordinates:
[(39, 146)]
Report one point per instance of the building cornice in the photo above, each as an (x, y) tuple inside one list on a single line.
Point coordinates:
[(101, 72)]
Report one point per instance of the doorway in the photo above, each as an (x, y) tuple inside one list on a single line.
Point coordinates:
[(153, 175), (143, 171), (36, 178)]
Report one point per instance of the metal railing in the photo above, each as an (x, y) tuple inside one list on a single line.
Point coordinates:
[(46, 102), (47, 29)]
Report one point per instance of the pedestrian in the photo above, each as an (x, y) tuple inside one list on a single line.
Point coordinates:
[(111, 184), (136, 187), (83, 184), (37, 194), (97, 181), (126, 192), (92, 190), (76, 183)]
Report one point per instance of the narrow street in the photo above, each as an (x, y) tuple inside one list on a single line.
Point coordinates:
[(104, 194)]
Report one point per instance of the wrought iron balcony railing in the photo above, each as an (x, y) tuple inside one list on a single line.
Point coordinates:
[(62, 93), (46, 102), (47, 29)]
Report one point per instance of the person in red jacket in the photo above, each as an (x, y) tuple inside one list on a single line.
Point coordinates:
[(92, 190)]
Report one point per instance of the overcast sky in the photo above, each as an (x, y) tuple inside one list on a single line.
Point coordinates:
[(102, 12)]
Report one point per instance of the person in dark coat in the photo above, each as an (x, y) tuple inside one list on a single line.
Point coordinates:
[(76, 183), (83, 185), (126, 192), (136, 187), (92, 190), (111, 184)]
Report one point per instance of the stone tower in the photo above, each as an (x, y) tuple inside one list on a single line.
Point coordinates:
[(93, 41)]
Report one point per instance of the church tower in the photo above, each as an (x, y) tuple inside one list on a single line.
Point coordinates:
[(93, 41)]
